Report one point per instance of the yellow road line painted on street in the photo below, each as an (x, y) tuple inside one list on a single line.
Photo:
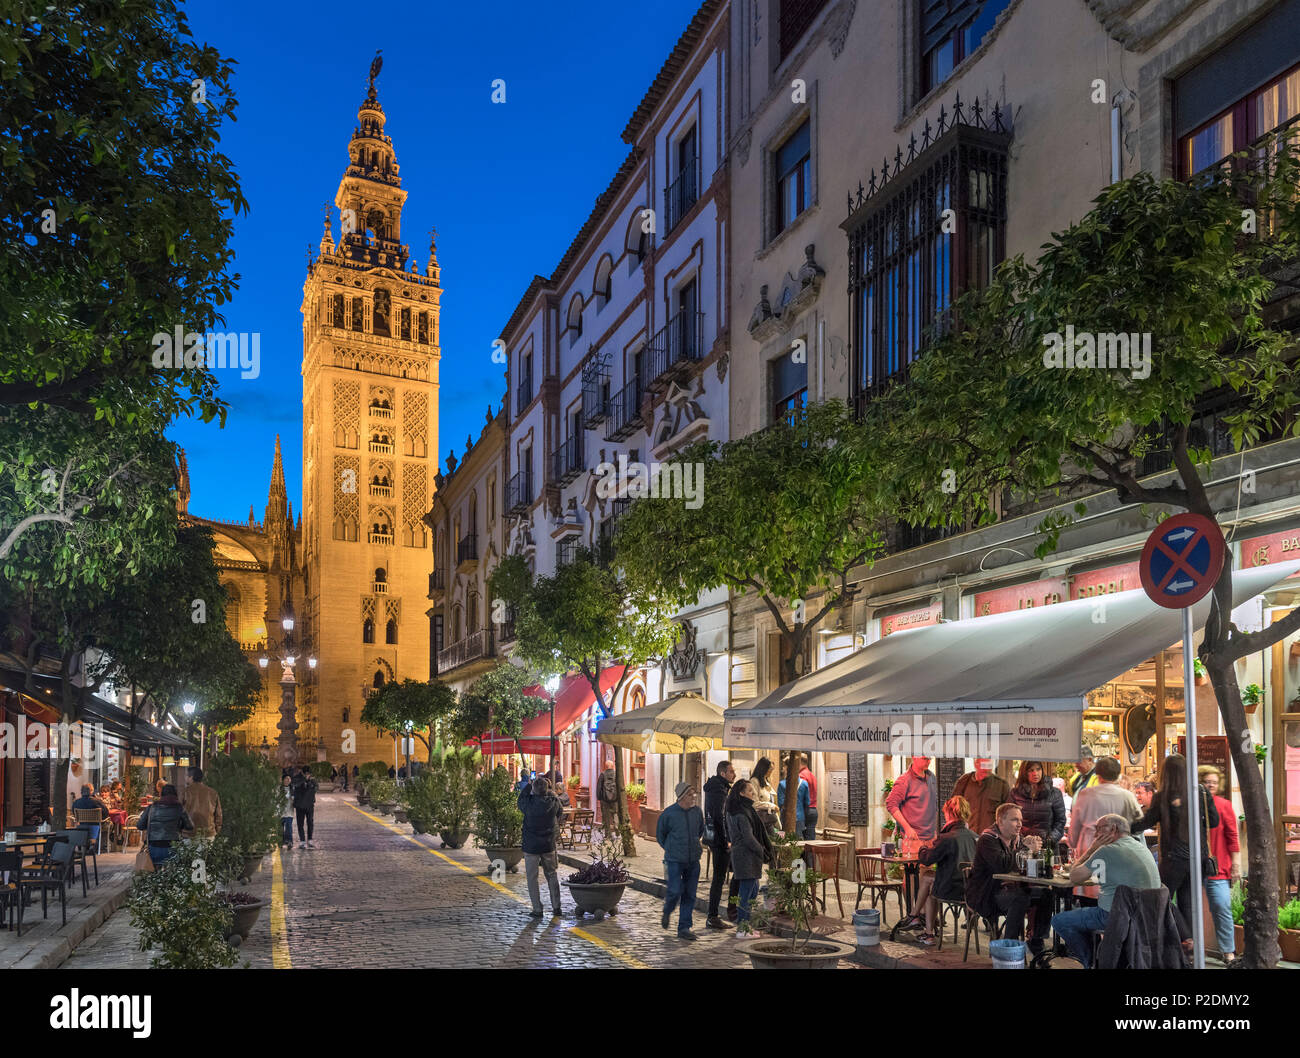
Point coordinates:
[(279, 937), (577, 931)]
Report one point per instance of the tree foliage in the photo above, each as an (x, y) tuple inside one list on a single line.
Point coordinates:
[(497, 700), (411, 707)]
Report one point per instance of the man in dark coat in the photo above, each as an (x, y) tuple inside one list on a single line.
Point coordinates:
[(995, 853), (304, 806), (542, 813), (715, 835)]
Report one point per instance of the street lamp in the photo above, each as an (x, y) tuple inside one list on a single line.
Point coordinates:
[(264, 661), (552, 685), (189, 708)]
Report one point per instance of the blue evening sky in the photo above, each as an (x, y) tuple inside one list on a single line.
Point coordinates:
[(506, 185)]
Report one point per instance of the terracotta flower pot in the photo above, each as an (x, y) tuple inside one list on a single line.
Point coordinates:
[(1289, 941)]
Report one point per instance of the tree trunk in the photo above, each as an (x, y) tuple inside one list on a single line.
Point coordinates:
[(1260, 925), (792, 644), (624, 826)]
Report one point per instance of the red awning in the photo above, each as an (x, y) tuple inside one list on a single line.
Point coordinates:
[(572, 700)]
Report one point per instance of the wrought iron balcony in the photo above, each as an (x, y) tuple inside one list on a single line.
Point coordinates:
[(681, 194), (566, 550), (566, 461), (437, 582), (595, 394), (674, 346), (523, 394), (473, 647), (624, 412), (519, 492), (507, 634), (467, 549)]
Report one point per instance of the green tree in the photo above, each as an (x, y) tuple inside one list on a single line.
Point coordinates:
[(788, 513), (585, 617), (1184, 263), (411, 707), (497, 700)]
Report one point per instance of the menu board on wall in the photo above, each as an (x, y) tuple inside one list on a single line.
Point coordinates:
[(948, 770), (36, 788), (1213, 749), (859, 796)]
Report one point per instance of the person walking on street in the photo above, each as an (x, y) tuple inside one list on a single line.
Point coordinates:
[(343, 774), (286, 810), (542, 813), (716, 791), (607, 797), (203, 805), (1225, 847), (810, 815), (983, 791), (750, 847), (680, 831), (304, 804), (163, 822)]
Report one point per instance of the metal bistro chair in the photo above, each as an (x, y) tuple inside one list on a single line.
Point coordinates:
[(973, 919), (80, 842), (91, 819), (11, 873), (53, 875), (955, 908), (870, 874)]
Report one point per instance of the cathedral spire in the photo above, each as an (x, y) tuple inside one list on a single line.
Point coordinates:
[(277, 509)]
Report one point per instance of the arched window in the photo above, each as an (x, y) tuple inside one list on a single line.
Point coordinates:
[(339, 312), (378, 681), (604, 281), (390, 631), (381, 575), (380, 313), (358, 313), (368, 631), (575, 317)]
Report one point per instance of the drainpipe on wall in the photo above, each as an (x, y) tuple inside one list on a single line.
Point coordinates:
[(821, 359), (1115, 174)]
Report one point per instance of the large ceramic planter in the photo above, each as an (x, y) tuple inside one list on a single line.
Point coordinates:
[(454, 839), (400, 815), (1289, 941), (387, 807), (773, 953), (634, 814), (326, 787), (599, 900), (649, 821), (246, 917), (252, 864), (509, 856)]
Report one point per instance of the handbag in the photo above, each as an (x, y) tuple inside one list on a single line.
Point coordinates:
[(143, 861), (1209, 865)]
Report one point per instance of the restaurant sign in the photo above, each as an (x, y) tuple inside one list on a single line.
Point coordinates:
[(1275, 547), (898, 622), (1021, 596), (1105, 581)]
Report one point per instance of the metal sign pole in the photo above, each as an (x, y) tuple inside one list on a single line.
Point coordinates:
[(1193, 803)]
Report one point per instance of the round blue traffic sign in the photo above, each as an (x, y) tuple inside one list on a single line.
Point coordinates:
[(1182, 560)]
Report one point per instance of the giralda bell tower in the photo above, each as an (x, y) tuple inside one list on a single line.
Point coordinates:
[(370, 438)]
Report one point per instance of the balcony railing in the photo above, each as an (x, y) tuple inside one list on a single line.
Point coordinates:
[(381, 492), (1207, 430), (519, 492), (624, 412), (437, 582), (376, 412), (566, 461), (380, 538), (681, 194), (471, 648), (507, 634), (595, 399), (608, 529), (566, 550), (523, 394), (379, 587), (793, 21), (467, 549), (381, 448), (675, 345)]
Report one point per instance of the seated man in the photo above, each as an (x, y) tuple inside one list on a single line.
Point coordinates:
[(995, 853), (89, 802), (1114, 858)]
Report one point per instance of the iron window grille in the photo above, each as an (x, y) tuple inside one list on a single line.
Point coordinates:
[(793, 20)]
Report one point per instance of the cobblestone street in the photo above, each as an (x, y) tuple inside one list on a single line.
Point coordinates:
[(372, 894)]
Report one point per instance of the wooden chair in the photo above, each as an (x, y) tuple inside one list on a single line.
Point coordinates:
[(580, 829), (830, 871), (11, 873), (54, 875), (91, 819), (973, 920), (870, 874), (133, 835)]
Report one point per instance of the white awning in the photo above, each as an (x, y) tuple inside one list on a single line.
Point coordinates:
[(1012, 685)]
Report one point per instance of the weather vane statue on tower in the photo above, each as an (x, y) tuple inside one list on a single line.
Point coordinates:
[(376, 64)]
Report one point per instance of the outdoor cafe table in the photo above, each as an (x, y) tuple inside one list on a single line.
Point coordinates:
[(911, 878), (1060, 884)]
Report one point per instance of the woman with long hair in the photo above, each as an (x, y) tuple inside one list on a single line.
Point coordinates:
[(763, 794), (1168, 811), (1041, 805), (750, 847)]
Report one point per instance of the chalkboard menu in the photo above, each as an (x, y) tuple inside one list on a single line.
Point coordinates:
[(1212, 749), (859, 795), (948, 771), (36, 789)]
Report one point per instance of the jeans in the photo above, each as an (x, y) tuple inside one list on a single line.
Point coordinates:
[(683, 877), (549, 862), (721, 862), (810, 825), (309, 815), (748, 894), (1013, 902), (286, 830), (1218, 894), (159, 853), (1076, 928)]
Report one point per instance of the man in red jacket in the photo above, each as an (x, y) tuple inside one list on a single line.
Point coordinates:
[(1225, 847)]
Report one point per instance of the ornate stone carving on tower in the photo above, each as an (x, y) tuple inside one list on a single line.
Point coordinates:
[(370, 424)]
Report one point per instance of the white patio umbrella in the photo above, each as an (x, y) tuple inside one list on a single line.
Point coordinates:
[(682, 723)]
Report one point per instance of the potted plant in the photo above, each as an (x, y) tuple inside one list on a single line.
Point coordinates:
[(251, 795), (498, 823), (598, 887), (792, 892), (452, 792), (1237, 903), (1252, 696), (224, 863), (576, 794), (1288, 930), (383, 795), (635, 796), (321, 771), (181, 916), (1199, 674)]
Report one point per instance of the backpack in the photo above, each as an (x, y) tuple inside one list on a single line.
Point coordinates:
[(608, 786)]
